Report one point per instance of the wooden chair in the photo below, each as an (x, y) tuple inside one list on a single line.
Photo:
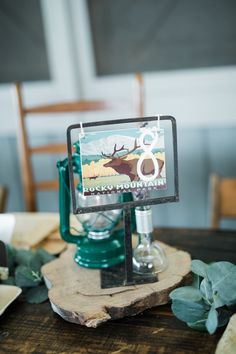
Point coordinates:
[(223, 199), (3, 198), (30, 187)]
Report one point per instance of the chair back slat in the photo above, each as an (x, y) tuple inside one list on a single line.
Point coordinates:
[(80, 106), (46, 185), (228, 197), (223, 199), (26, 151), (3, 198), (49, 149)]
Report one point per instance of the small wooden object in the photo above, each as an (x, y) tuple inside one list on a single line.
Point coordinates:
[(75, 292)]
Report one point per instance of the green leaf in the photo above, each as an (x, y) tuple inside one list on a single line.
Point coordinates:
[(218, 302), (198, 325), (189, 311), (223, 278), (196, 281), (199, 267), (213, 285), (212, 320), (25, 277), (23, 257), (44, 256), (37, 295), (206, 290), (35, 263), (188, 293)]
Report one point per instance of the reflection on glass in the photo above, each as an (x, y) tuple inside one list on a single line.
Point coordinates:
[(98, 225)]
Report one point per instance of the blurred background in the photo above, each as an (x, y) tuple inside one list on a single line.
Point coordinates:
[(63, 50)]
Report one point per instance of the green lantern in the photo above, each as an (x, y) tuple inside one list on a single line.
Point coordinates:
[(101, 245)]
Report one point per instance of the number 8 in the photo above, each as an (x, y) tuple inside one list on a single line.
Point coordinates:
[(147, 152)]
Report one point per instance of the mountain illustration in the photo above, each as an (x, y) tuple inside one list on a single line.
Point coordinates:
[(106, 145)]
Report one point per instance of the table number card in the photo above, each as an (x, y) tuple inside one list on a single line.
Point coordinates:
[(124, 160)]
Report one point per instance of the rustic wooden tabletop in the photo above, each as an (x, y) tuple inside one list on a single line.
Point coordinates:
[(37, 329)]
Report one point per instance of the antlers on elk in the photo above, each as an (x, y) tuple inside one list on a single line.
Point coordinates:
[(115, 150)]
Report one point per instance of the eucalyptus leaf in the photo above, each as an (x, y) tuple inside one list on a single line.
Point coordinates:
[(23, 257), (25, 277), (198, 325), (196, 281), (199, 267), (223, 278), (189, 311), (218, 302), (44, 256), (206, 290), (25, 272), (188, 293), (37, 295), (35, 263), (212, 320), (216, 284)]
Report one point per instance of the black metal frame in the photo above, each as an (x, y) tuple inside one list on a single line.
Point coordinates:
[(130, 204)]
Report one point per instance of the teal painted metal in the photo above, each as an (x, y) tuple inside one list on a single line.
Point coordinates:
[(101, 253)]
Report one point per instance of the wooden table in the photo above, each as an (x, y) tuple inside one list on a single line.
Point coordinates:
[(35, 329)]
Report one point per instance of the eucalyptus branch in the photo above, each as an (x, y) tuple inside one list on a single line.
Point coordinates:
[(25, 272), (210, 301)]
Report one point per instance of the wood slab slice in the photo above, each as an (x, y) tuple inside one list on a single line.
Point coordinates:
[(75, 292)]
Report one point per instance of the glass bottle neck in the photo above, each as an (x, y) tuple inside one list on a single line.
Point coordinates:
[(145, 238), (144, 220)]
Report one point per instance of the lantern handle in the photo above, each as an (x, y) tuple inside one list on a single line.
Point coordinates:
[(64, 204)]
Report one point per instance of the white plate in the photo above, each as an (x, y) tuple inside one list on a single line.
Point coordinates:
[(8, 293)]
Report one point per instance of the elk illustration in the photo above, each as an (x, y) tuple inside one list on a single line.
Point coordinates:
[(129, 167)]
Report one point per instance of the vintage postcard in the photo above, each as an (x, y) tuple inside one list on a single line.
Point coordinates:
[(118, 161)]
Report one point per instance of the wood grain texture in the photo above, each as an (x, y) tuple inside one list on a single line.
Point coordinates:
[(81, 106), (76, 293), (228, 197), (49, 148), (141, 94), (29, 329), (24, 154), (3, 198), (214, 201), (47, 185)]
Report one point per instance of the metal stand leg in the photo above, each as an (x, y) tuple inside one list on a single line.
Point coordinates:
[(128, 248)]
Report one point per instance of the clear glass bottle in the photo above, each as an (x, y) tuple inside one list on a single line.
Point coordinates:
[(148, 257)]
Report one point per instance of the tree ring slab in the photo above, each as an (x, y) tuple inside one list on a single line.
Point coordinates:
[(76, 295)]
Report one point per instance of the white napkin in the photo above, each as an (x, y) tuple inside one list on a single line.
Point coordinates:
[(7, 223)]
